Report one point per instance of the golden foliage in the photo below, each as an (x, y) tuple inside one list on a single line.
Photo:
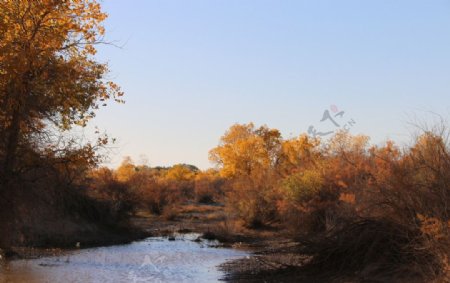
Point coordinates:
[(432, 226), (244, 149), (348, 198), (126, 170), (48, 74)]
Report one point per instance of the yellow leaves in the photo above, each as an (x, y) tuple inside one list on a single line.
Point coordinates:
[(52, 21), (344, 142), (180, 173), (80, 123), (90, 49), (432, 226), (342, 184), (348, 198), (244, 149), (297, 151), (115, 91), (55, 41), (126, 170), (304, 186), (101, 30), (238, 132)]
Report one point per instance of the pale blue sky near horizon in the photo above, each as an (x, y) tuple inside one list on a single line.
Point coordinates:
[(192, 68)]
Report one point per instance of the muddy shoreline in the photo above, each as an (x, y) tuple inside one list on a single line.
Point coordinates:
[(273, 256), (106, 238), (270, 256)]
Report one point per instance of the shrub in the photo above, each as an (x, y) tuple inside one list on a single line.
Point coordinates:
[(170, 212), (208, 187), (377, 250), (303, 187), (308, 203), (253, 200)]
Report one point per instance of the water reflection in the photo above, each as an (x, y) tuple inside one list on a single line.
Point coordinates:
[(151, 260)]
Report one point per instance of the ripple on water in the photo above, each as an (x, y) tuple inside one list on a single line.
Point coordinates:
[(151, 260)]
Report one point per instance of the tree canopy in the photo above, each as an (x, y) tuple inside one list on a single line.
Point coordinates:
[(48, 74)]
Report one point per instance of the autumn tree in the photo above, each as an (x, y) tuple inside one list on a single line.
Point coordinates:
[(244, 149), (126, 170), (181, 173), (180, 180), (247, 156), (49, 78), (50, 81), (298, 153), (208, 186)]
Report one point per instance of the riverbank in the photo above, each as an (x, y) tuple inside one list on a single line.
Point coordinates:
[(208, 220), (274, 257), (102, 237), (269, 249)]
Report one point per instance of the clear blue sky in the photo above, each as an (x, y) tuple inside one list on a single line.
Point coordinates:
[(190, 69)]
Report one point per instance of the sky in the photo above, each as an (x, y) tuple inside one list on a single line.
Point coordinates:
[(192, 68)]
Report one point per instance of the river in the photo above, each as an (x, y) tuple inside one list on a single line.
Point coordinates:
[(152, 260)]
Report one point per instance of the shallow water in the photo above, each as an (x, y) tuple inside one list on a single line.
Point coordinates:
[(150, 260)]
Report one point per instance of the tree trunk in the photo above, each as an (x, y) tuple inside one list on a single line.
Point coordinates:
[(12, 143)]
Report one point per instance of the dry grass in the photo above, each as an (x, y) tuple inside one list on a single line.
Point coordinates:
[(170, 213), (377, 250), (199, 208)]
